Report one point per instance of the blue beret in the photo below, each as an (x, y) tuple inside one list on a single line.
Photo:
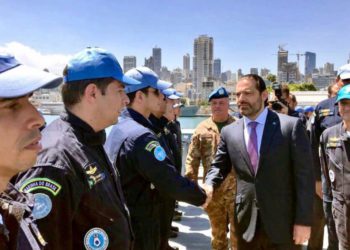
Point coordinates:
[(218, 93)]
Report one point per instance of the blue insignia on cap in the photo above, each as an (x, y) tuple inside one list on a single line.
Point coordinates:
[(218, 93)]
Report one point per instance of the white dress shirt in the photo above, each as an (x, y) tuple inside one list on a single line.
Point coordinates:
[(261, 119)]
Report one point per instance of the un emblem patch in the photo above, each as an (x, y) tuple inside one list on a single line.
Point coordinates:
[(96, 239)]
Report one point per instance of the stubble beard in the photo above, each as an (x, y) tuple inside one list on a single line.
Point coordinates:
[(254, 109)]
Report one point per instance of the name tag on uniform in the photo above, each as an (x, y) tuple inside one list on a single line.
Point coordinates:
[(333, 142), (325, 112)]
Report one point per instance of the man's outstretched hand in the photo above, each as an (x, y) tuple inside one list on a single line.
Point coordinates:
[(209, 192)]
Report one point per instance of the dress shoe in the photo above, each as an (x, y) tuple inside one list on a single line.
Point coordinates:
[(175, 229), (172, 234)]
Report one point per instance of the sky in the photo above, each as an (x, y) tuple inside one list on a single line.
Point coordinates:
[(247, 33)]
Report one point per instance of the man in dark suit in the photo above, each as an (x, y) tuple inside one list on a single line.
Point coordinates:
[(272, 158)]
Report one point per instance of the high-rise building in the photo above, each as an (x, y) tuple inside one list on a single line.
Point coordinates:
[(149, 63), (289, 72), (157, 59), (282, 58), (328, 69), (310, 63), (217, 68), (202, 61), (254, 71), (264, 72), (239, 74), (165, 74), (226, 76), (129, 62), (186, 66), (176, 76)]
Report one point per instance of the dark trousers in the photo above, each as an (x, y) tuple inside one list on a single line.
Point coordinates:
[(262, 242), (341, 214), (166, 217), (332, 234), (318, 224), (147, 233)]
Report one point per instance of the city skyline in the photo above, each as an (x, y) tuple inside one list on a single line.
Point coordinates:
[(246, 33)]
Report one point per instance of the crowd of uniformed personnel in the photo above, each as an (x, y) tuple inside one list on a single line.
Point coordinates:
[(67, 186)]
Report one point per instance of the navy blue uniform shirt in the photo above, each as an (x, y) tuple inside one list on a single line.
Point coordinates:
[(326, 116), (145, 168)]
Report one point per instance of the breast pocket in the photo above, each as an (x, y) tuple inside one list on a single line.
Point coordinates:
[(98, 210), (335, 154), (207, 142)]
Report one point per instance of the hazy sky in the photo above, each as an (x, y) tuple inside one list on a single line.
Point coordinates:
[(246, 32)]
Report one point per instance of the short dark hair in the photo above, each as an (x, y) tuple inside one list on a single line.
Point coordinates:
[(73, 91), (259, 82), (133, 94)]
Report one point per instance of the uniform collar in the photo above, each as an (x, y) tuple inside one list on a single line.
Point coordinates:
[(158, 123), (139, 118), (88, 135)]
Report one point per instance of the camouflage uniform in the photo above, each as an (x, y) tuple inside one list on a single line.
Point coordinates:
[(203, 147)]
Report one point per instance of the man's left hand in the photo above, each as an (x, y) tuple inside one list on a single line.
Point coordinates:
[(301, 234)]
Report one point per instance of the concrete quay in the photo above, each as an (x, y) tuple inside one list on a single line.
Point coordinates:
[(195, 232)]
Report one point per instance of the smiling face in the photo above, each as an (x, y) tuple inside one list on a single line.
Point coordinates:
[(20, 135), (219, 109)]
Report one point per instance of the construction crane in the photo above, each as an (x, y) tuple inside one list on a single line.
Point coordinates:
[(298, 54)]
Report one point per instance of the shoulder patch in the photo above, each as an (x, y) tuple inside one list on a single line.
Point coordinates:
[(151, 145), (42, 206), (159, 153), (41, 184)]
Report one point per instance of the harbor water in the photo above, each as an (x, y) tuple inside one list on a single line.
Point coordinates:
[(187, 123)]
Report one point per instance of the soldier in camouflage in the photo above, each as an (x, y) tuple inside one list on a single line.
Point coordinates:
[(203, 147)]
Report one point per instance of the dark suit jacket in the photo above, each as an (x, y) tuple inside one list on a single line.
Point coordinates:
[(283, 188)]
